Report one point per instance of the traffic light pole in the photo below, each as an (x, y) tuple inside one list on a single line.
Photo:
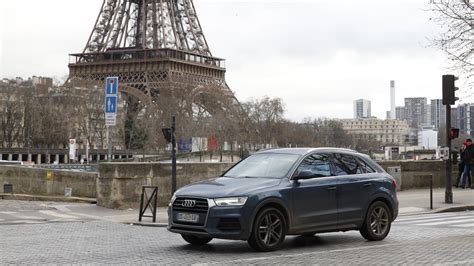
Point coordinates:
[(449, 166), (173, 156)]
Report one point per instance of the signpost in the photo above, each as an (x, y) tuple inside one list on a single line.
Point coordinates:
[(72, 149), (111, 91)]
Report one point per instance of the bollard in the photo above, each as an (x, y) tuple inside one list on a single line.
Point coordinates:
[(431, 192)]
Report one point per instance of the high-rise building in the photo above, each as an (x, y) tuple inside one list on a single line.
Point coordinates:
[(465, 117), (400, 113), (416, 111), (362, 108), (438, 113)]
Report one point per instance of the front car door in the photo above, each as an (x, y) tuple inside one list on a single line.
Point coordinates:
[(314, 195), (355, 188)]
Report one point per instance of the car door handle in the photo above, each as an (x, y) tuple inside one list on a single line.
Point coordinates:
[(331, 188), (367, 184)]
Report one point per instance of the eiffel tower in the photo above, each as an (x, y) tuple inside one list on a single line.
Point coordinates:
[(159, 52)]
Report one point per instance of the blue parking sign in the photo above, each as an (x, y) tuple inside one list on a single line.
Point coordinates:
[(111, 87), (111, 104)]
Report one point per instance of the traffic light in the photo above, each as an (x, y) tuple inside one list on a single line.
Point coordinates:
[(454, 133), (167, 132), (449, 88)]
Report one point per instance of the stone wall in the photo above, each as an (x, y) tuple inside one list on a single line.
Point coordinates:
[(119, 185), (415, 174), (48, 182)]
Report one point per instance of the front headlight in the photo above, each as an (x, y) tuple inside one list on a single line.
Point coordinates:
[(237, 201)]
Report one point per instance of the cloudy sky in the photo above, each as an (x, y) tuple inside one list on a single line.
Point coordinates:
[(317, 55)]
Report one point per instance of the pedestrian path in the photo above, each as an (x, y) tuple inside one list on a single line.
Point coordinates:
[(452, 220), (37, 217)]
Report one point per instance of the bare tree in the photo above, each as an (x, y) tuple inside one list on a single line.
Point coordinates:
[(11, 120), (456, 19)]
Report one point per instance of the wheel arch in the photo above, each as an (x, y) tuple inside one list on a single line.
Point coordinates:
[(272, 203)]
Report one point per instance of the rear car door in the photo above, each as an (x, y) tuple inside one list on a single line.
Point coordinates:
[(355, 188), (314, 197)]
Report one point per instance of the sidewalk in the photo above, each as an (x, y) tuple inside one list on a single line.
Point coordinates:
[(412, 202), (417, 201)]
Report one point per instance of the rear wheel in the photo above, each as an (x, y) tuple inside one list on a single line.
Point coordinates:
[(196, 240), (269, 230), (377, 222)]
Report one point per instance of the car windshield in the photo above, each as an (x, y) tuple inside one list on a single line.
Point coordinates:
[(267, 165)]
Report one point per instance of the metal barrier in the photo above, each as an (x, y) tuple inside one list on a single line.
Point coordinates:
[(148, 201)]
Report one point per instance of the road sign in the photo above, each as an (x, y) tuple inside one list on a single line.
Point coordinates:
[(110, 119), (111, 91), (111, 104), (112, 86)]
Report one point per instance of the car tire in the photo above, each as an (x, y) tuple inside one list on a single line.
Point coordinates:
[(196, 240), (377, 223), (269, 230)]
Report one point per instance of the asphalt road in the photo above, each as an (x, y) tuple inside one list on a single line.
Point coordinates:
[(435, 239)]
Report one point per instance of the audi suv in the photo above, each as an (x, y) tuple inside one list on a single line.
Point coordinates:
[(281, 192)]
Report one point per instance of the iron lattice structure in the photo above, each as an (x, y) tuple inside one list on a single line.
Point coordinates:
[(158, 50)]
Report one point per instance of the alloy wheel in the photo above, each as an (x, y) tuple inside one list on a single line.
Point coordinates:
[(270, 229), (379, 220)]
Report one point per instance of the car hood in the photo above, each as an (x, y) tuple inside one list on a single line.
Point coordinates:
[(227, 187)]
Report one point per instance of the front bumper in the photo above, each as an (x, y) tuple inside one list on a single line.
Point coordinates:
[(221, 222)]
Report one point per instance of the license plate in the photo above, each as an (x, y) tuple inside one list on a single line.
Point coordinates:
[(187, 217)]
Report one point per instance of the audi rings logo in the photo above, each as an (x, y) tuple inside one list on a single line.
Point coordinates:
[(188, 203)]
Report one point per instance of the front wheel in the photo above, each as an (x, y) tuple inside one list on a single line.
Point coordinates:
[(269, 230), (196, 240), (377, 222)]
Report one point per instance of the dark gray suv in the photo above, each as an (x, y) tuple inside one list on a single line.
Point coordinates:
[(282, 192)]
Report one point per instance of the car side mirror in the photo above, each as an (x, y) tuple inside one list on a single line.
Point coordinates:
[(304, 174)]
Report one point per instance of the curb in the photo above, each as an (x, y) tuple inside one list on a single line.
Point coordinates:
[(162, 225), (8, 196), (458, 208)]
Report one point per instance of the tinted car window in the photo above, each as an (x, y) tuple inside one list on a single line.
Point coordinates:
[(364, 167), (271, 165), (345, 164), (316, 165)]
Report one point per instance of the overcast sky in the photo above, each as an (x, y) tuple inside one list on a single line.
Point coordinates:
[(317, 55)]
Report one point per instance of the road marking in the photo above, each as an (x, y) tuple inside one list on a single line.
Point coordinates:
[(470, 219), (60, 215), (1, 220), (464, 225), (8, 212), (451, 218), (428, 216), (27, 217)]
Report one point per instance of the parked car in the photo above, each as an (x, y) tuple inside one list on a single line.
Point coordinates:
[(281, 192)]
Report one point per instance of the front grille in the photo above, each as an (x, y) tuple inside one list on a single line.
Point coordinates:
[(200, 208)]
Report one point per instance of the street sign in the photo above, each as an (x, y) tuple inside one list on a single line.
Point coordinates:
[(72, 149), (112, 86), (110, 119), (111, 104), (111, 91)]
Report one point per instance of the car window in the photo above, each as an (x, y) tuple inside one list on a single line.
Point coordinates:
[(315, 165), (364, 166), (345, 165)]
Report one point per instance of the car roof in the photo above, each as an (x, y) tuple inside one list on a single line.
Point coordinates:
[(303, 151)]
